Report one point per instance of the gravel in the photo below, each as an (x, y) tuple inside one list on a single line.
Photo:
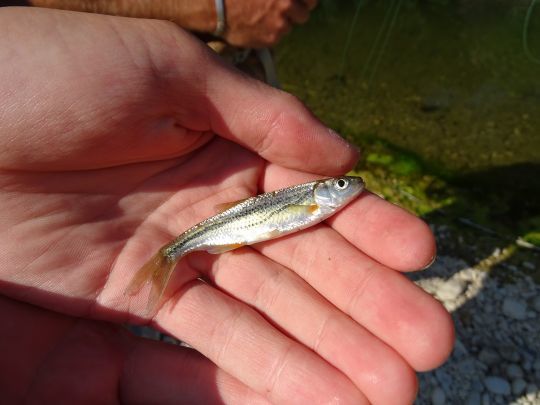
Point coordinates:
[(513, 308), (438, 397), (497, 385), (496, 358)]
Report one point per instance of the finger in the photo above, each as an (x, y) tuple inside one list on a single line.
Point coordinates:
[(274, 124), (298, 13), (291, 304), (382, 230), (242, 343), (111, 364), (381, 300), (169, 92), (161, 373)]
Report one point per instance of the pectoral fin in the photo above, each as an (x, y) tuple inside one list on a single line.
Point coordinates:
[(303, 209), (270, 235), (215, 250)]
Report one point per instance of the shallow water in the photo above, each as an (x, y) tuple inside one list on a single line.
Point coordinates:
[(453, 82)]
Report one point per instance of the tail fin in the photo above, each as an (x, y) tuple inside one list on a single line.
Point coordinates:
[(158, 270)]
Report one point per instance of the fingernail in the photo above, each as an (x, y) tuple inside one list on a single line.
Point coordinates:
[(430, 263), (348, 144)]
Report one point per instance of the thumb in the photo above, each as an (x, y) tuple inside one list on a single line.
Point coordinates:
[(274, 124)]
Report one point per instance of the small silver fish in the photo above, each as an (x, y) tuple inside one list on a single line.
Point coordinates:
[(255, 219)]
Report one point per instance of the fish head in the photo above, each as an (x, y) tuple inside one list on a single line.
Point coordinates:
[(337, 192)]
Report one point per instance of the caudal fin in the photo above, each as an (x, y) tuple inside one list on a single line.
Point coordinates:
[(158, 270)]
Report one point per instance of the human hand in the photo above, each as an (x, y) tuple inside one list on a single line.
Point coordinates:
[(250, 23), (107, 126), (262, 23), (48, 357)]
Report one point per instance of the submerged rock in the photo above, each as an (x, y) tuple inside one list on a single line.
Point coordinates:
[(514, 308), (497, 385)]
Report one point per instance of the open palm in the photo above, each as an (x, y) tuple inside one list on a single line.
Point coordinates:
[(108, 126)]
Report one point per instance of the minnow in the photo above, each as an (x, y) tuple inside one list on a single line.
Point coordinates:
[(245, 222)]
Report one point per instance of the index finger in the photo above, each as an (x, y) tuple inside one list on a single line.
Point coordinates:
[(272, 123), (384, 231)]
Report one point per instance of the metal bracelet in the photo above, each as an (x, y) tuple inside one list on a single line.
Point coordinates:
[(220, 24)]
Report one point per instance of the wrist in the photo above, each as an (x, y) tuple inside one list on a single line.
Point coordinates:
[(200, 15)]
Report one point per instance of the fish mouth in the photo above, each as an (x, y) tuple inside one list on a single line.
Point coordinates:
[(357, 181)]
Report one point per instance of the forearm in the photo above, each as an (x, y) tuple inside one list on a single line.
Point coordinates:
[(192, 15)]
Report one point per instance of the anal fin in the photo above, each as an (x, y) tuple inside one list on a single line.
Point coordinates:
[(215, 250), (274, 233)]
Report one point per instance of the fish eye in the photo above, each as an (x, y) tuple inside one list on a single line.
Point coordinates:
[(341, 184)]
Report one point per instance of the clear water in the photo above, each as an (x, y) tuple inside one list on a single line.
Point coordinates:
[(455, 82)]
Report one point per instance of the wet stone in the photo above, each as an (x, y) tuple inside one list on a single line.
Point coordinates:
[(489, 356), (438, 397), (515, 309), (518, 386), (509, 352), (529, 265), (514, 371), (536, 304), (444, 378), (459, 349), (532, 391), (474, 398), (497, 385)]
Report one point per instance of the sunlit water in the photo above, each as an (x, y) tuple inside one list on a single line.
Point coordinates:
[(456, 82)]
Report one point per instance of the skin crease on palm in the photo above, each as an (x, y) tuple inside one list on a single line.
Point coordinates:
[(108, 152)]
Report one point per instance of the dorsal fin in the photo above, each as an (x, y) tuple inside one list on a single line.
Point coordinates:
[(225, 206)]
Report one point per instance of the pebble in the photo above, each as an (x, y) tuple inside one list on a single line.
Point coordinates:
[(514, 371), (474, 398), (532, 391), (497, 385), (529, 265), (496, 358), (459, 349), (450, 290), (438, 397), (514, 308), (489, 356), (518, 386), (536, 304), (444, 378), (509, 352)]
